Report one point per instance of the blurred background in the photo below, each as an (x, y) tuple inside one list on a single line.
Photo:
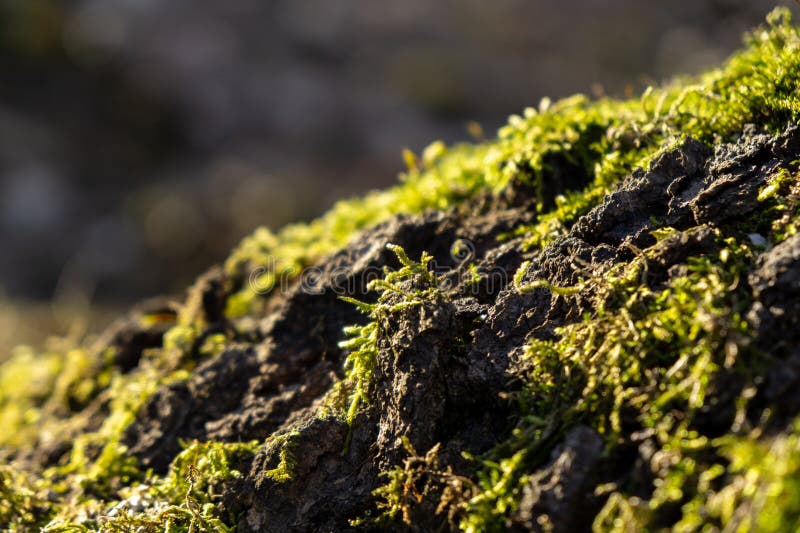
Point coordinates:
[(140, 140)]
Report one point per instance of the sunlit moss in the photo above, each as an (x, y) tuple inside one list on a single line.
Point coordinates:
[(414, 480), (524, 288), (781, 203), (410, 286), (185, 499), (645, 358), (287, 445), (752, 485), (40, 391), (21, 406)]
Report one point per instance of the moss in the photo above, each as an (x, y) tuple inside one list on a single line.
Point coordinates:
[(97, 469), (286, 460), (539, 283), (21, 407), (781, 199), (410, 286), (645, 361), (23, 506), (410, 483), (643, 356), (183, 500), (646, 358), (759, 489), (764, 490)]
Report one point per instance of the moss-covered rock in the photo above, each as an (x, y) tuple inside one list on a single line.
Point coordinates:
[(587, 322)]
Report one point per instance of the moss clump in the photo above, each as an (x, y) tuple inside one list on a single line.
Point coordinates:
[(287, 461), (753, 486), (410, 286), (648, 356), (645, 356), (781, 198), (183, 500), (408, 484), (62, 392)]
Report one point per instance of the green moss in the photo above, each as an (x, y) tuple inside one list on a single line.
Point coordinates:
[(265, 257), (647, 358), (781, 199), (643, 356), (408, 484), (286, 459), (183, 500), (41, 394), (645, 361), (410, 286), (524, 288), (23, 505), (21, 406), (97, 469), (754, 485)]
